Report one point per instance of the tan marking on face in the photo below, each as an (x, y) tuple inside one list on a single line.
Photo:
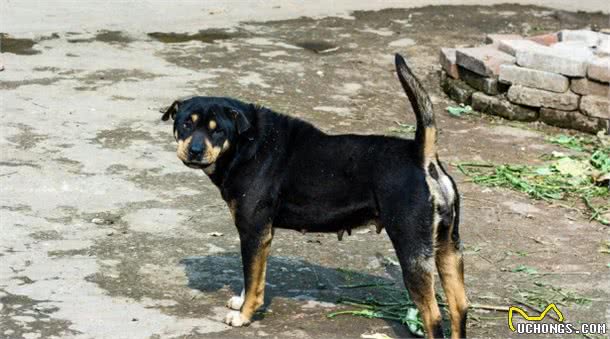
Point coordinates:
[(183, 147), (212, 125), (451, 270), (194, 117), (255, 295), (211, 152)]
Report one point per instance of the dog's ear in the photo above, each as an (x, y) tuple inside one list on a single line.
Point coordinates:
[(171, 110), (241, 122)]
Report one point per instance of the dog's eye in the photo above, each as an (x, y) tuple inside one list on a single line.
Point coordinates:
[(187, 124)]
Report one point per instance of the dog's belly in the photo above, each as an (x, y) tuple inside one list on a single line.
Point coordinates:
[(324, 216)]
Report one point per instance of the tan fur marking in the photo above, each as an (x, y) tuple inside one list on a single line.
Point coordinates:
[(426, 302), (255, 295), (225, 145), (211, 152), (232, 208), (451, 270), (212, 125), (183, 146), (430, 144), (194, 117)]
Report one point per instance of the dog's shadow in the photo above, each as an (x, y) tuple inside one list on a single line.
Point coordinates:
[(292, 278)]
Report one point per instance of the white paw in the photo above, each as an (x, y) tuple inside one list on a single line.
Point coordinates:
[(235, 319), (235, 302)]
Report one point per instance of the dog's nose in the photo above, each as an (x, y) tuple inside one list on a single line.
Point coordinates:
[(195, 151)]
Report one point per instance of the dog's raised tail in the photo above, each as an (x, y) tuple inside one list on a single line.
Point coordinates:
[(425, 134)]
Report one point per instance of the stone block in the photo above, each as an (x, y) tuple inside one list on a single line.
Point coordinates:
[(456, 89), (573, 120), (599, 69), (498, 105), (590, 38), (485, 84), (447, 60), (534, 97), (584, 86), (595, 106), (545, 39), (484, 60), (553, 60), (495, 39), (512, 46), (534, 78)]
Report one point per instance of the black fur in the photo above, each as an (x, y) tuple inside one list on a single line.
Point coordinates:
[(282, 172)]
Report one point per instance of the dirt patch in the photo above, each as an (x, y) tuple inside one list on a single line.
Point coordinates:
[(27, 138), (9, 44), (108, 77), (206, 36), (319, 47), (111, 37), (120, 137)]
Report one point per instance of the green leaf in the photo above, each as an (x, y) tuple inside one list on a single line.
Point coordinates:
[(458, 111)]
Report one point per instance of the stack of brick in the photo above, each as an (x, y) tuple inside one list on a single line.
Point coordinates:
[(561, 79)]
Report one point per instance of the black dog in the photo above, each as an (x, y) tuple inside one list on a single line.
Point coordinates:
[(275, 171)]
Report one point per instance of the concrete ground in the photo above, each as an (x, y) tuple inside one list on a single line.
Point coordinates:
[(105, 234)]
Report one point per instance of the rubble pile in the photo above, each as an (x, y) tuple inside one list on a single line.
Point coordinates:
[(561, 79)]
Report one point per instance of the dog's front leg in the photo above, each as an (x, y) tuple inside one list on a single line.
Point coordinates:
[(255, 246)]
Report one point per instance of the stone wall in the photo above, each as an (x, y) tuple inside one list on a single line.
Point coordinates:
[(561, 79)]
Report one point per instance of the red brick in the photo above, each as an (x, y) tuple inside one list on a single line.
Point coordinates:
[(447, 60), (545, 39)]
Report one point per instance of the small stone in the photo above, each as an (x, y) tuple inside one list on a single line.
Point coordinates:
[(98, 221), (456, 89), (447, 60), (534, 78), (499, 106), (595, 106), (573, 120), (110, 233), (512, 46), (522, 95), (484, 60), (599, 69), (495, 39), (485, 84), (545, 39), (584, 86), (590, 38), (553, 60)]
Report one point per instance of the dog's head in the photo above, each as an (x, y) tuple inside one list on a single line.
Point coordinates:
[(205, 129)]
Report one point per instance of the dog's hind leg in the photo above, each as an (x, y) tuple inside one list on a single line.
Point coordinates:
[(451, 271), (415, 255)]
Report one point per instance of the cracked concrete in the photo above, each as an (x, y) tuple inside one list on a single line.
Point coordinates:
[(105, 234)]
